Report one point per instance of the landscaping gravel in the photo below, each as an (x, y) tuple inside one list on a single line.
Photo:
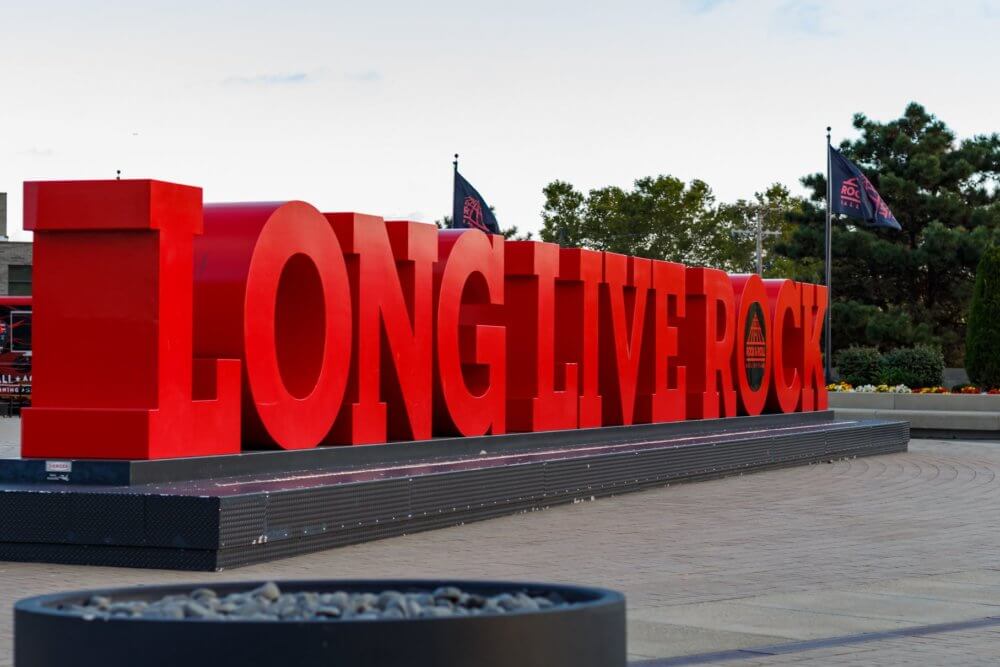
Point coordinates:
[(269, 603)]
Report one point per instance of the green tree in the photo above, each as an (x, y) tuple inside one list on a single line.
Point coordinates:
[(914, 286), (563, 215), (660, 217), (663, 218), (777, 209), (982, 346)]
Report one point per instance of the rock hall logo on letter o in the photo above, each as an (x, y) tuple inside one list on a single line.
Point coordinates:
[(755, 346)]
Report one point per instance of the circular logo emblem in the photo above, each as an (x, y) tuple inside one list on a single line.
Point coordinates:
[(755, 346), (472, 214)]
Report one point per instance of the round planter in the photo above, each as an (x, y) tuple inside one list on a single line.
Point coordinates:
[(589, 632)]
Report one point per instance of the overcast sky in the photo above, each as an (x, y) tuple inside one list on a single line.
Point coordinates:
[(359, 105)]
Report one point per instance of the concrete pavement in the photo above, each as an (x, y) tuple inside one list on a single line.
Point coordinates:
[(774, 559)]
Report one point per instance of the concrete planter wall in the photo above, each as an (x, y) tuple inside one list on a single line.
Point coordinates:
[(936, 415)]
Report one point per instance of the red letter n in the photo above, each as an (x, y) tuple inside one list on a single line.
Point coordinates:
[(391, 269)]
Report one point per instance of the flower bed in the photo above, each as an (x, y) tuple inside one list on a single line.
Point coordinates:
[(846, 388)]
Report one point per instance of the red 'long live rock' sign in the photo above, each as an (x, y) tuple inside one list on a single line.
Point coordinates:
[(163, 328)]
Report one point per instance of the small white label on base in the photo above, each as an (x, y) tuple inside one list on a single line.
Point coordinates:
[(58, 466)]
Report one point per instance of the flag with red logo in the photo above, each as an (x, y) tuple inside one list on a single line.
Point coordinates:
[(470, 209), (855, 196)]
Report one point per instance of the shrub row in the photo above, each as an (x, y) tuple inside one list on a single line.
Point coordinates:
[(920, 366)]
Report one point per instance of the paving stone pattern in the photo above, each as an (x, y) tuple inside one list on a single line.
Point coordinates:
[(796, 554), (974, 647)]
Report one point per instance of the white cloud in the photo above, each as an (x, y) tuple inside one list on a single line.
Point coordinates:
[(705, 6), (365, 76), (283, 79), (35, 151)]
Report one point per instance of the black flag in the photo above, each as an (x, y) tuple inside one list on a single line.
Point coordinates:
[(855, 196), (470, 209)]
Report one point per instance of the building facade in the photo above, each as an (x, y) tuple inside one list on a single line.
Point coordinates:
[(15, 259)]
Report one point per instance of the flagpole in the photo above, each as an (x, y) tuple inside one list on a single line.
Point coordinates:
[(454, 188), (828, 236)]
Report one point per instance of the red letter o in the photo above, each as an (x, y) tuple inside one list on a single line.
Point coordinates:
[(754, 342), (278, 269)]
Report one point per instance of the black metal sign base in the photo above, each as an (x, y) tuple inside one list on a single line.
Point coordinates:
[(211, 513)]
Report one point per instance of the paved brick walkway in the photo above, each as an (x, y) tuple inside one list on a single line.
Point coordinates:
[(830, 550), (959, 648)]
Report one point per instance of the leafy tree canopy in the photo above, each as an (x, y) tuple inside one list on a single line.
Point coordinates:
[(663, 217)]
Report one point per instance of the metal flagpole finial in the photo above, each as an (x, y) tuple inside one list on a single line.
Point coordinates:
[(828, 128), (455, 163), (118, 174)]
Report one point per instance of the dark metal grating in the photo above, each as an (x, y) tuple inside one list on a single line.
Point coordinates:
[(246, 519), (261, 518)]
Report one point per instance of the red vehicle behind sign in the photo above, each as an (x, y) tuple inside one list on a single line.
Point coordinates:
[(15, 349)]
